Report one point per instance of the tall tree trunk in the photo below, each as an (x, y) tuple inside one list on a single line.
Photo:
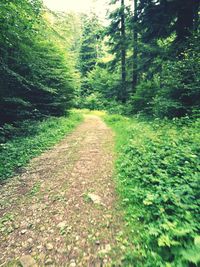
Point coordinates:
[(123, 53), (196, 9), (135, 46)]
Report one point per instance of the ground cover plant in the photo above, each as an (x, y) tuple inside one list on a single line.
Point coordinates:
[(41, 135), (158, 181)]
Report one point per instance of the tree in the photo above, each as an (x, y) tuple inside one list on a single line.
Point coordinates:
[(159, 19), (90, 45), (90, 50), (163, 32), (135, 45), (117, 41), (123, 52), (36, 75)]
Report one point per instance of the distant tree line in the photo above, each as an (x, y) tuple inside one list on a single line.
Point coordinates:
[(155, 64), (146, 61)]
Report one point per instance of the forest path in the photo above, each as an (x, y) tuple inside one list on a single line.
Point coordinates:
[(61, 211)]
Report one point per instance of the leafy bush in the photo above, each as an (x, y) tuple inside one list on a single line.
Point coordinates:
[(93, 101), (172, 87), (100, 91), (158, 179), (142, 100), (101, 80), (180, 91)]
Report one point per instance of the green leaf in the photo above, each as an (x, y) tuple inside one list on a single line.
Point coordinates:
[(192, 254)]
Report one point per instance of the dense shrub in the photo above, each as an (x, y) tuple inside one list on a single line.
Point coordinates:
[(180, 87), (103, 81), (101, 90), (142, 100), (174, 91), (93, 101), (158, 179)]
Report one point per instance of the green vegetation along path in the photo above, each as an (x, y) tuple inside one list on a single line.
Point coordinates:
[(61, 210)]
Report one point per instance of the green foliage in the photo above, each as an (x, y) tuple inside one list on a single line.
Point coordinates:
[(141, 101), (37, 136), (93, 102), (160, 19), (117, 40), (162, 56), (66, 31), (35, 189), (102, 91), (158, 180), (102, 80), (106, 83), (90, 46), (174, 91), (36, 74), (89, 53), (180, 92)]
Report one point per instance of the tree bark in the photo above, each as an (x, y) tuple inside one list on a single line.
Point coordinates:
[(123, 53), (135, 47)]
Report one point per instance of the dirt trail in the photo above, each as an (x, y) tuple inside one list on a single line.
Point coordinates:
[(61, 210)]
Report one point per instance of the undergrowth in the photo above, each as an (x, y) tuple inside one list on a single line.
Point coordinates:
[(35, 138), (159, 184)]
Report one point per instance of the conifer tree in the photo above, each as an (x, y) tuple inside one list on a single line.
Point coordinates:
[(123, 51), (90, 45), (36, 74), (160, 19), (90, 49), (135, 45), (118, 43)]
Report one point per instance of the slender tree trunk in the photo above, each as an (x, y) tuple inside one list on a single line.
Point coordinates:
[(135, 47), (196, 9), (123, 53)]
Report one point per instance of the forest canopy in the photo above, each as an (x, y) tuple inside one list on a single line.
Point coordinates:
[(145, 61), (38, 76), (153, 64)]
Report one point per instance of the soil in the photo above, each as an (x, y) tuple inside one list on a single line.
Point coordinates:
[(62, 209)]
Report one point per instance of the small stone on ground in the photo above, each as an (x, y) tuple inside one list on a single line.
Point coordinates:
[(27, 261)]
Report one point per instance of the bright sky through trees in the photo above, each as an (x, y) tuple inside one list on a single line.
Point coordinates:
[(85, 6)]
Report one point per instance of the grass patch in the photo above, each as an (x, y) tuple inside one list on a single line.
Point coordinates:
[(159, 184), (18, 151), (35, 189)]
